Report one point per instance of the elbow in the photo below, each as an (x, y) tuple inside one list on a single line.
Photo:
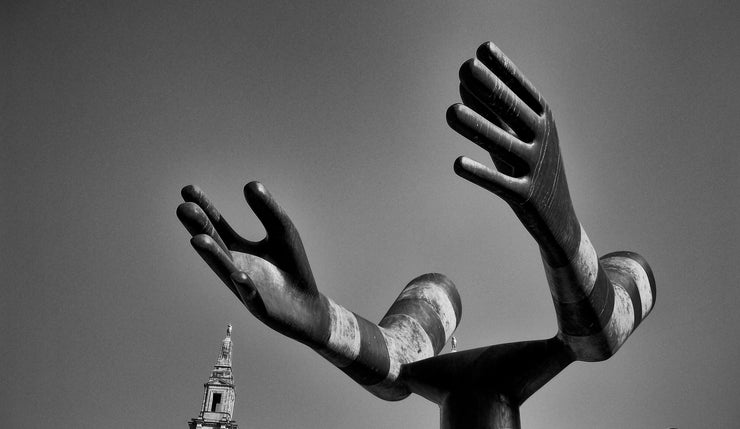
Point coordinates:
[(424, 316), (633, 286), (631, 272)]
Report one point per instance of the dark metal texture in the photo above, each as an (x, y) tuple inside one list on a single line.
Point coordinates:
[(599, 301)]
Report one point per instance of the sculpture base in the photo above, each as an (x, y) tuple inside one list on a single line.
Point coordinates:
[(483, 388), (478, 411)]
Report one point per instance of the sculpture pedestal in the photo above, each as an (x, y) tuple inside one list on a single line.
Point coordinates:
[(478, 410), (483, 388)]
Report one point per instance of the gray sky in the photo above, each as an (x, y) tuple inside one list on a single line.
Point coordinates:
[(110, 319)]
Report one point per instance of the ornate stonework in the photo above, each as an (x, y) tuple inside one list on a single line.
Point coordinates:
[(217, 409)]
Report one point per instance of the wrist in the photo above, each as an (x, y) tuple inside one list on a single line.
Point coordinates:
[(342, 344)]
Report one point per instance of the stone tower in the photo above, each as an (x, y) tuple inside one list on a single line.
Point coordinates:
[(218, 399)]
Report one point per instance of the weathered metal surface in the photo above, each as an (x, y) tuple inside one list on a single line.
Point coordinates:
[(273, 279), (598, 302)]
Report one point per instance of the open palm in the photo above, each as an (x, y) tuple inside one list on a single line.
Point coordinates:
[(272, 277), (504, 114)]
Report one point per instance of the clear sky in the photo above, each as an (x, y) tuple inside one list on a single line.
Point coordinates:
[(110, 319)]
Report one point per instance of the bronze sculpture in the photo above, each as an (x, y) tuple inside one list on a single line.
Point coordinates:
[(598, 301)]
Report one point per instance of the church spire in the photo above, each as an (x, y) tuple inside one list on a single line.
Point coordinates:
[(219, 395)]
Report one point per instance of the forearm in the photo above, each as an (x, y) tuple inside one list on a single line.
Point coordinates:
[(416, 327), (273, 279), (599, 302)]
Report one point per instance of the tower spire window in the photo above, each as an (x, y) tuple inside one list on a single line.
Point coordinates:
[(218, 397)]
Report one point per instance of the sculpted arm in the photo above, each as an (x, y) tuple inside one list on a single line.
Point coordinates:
[(599, 301), (273, 279)]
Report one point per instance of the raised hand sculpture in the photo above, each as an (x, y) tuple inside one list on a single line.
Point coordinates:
[(598, 301), (273, 279), (504, 114)]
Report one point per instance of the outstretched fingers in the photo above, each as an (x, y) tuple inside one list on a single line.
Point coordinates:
[(196, 222), (490, 55), (509, 188), (284, 246), (272, 216), (469, 100), (228, 236), (496, 96), (504, 114), (503, 147)]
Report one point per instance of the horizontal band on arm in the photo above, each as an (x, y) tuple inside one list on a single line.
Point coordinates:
[(373, 362), (589, 315), (575, 280), (632, 272), (424, 314), (605, 343)]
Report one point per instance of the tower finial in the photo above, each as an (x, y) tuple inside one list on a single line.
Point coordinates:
[(224, 358)]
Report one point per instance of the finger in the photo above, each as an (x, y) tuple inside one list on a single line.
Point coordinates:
[(216, 258), (272, 216), (490, 55), (494, 94), (503, 147), (196, 222), (247, 292), (506, 187), (233, 240), (288, 253), (469, 100)]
